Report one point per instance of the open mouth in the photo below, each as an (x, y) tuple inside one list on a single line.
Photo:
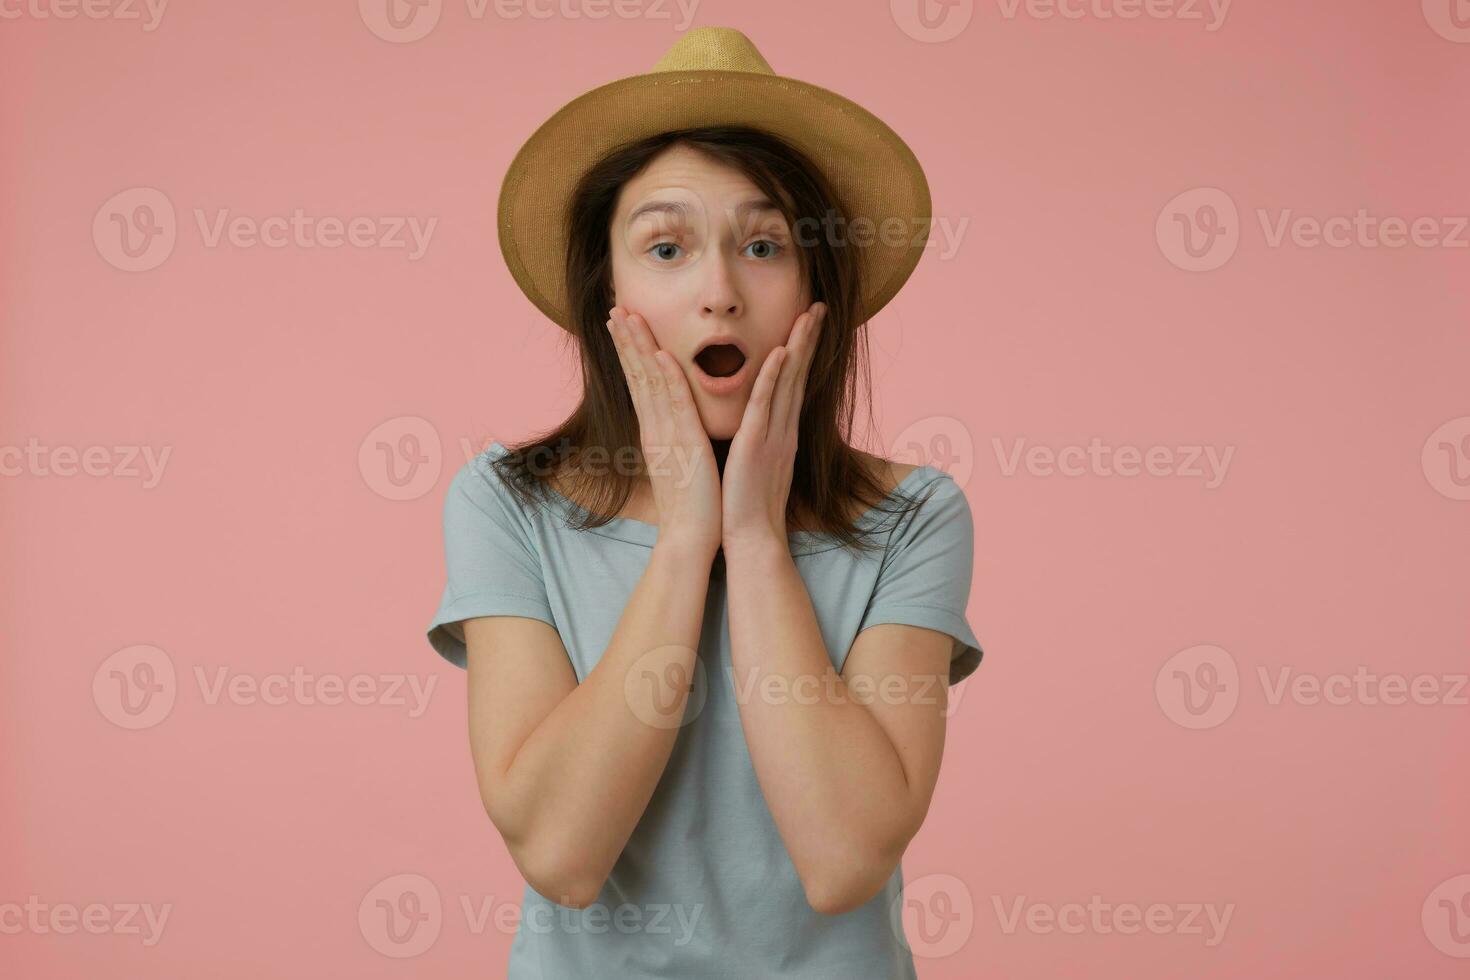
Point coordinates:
[(720, 360)]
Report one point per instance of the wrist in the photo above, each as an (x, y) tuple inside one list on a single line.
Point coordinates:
[(755, 546), (686, 547)]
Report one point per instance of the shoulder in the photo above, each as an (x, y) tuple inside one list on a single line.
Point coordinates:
[(889, 473), (482, 485)]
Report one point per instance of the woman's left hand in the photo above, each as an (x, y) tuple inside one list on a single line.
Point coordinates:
[(758, 468)]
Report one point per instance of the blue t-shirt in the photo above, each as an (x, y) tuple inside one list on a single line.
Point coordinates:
[(705, 887)]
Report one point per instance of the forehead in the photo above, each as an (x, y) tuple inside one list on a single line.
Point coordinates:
[(684, 168)]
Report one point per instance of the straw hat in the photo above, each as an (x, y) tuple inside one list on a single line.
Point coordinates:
[(714, 76)]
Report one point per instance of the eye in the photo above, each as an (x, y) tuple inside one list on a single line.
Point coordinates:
[(659, 245), (775, 249)]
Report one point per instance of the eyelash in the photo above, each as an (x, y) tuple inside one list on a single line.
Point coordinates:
[(776, 245)]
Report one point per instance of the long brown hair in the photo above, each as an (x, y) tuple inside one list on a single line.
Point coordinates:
[(828, 475)]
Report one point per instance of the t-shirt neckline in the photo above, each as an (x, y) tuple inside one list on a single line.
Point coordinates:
[(634, 531)]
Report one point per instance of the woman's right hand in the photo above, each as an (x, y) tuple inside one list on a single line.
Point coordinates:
[(676, 449)]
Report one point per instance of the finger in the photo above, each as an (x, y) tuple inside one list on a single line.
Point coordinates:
[(645, 351), (803, 373), (626, 358), (681, 400), (785, 387), (758, 409), (641, 334)]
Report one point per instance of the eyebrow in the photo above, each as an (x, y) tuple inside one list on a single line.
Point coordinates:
[(682, 210)]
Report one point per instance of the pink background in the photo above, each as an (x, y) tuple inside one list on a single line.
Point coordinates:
[(282, 380)]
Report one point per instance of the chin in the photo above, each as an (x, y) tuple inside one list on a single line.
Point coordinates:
[(722, 422)]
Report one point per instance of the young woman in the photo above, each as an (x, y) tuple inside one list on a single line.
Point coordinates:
[(708, 643)]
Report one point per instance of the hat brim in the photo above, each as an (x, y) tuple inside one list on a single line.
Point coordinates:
[(873, 171)]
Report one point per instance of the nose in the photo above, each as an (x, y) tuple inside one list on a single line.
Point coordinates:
[(721, 292)]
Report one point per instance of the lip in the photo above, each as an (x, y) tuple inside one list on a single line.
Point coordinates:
[(721, 386)]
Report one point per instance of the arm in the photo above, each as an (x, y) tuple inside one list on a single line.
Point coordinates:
[(847, 768), (565, 769)]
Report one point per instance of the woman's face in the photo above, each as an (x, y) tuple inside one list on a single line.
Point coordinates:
[(715, 260)]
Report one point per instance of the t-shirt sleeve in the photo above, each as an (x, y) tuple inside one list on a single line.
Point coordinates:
[(492, 567), (924, 578)]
